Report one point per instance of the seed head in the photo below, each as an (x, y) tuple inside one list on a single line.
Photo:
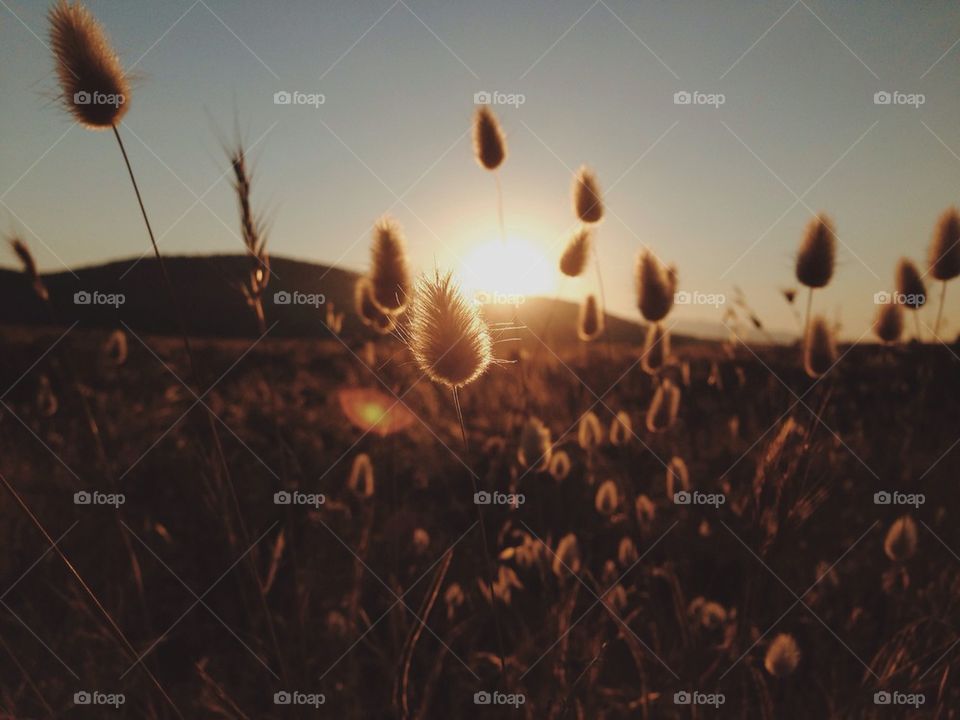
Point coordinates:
[(575, 255), (369, 312), (820, 353), (559, 465), (93, 85), (361, 476), (567, 557), (607, 498), (901, 541), (677, 473), (621, 429), (656, 348), (535, 445), (783, 656), (489, 142), (587, 201), (889, 323), (662, 412), (590, 324), (645, 510), (22, 251), (589, 432), (390, 271), (817, 254), (910, 284), (656, 286), (627, 552), (945, 248)]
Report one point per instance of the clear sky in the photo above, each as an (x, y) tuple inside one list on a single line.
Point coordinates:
[(721, 191)]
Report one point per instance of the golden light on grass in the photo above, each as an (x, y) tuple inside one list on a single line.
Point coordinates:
[(901, 541), (576, 253), (567, 558), (587, 199), (535, 445), (93, 85), (371, 410), (389, 267), (590, 322), (370, 314), (821, 350), (621, 429), (559, 465), (627, 552), (783, 656), (656, 286), (656, 349), (662, 412), (589, 431)]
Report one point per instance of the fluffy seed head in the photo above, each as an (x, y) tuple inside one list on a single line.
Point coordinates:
[(587, 201), (621, 429), (369, 312), (889, 323), (901, 541), (114, 350), (627, 552), (489, 142), (662, 412), (22, 251), (575, 255), (645, 510), (783, 656), (589, 432), (945, 248), (559, 465), (656, 286), (910, 285), (390, 270), (361, 476), (677, 473), (821, 352), (535, 445), (656, 348), (817, 254), (93, 85), (448, 339), (567, 556), (590, 324)]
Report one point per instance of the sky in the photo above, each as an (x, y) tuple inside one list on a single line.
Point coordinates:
[(784, 124)]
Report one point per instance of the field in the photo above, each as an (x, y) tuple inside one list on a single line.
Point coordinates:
[(227, 597)]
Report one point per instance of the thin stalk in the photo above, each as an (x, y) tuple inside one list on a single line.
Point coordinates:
[(943, 295), (486, 547), (806, 321), (116, 628)]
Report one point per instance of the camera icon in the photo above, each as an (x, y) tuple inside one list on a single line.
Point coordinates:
[(482, 98), (682, 97), (482, 697), (681, 497), (882, 298), (882, 97), (82, 97), (482, 498), (882, 498), (282, 697), (281, 298), (682, 298), (681, 698), (282, 497), (82, 697), (82, 297), (282, 97), (82, 498), (882, 697)]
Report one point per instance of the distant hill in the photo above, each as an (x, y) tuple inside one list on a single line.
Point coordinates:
[(208, 293)]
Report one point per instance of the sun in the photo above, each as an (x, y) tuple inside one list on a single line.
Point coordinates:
[(497, 270)]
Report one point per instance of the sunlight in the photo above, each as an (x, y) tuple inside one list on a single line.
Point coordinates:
[(497, 270)]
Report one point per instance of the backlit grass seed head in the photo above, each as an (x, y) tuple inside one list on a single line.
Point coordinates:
[(590, 322), (114, 350), (535, 445), (587, 200), (645, 510), (575, 255), (820, 353), (390, 269), (817, 255), (369, 312), (627, 552), (677, 474), (656, 286), (621, 429), (447, 337), (945, 248), (22, 251), (910, 284), (567, 558), (783, 656), (489, 142), (589, 431), (607, 498), (361, 476), (889, 323), (656, 349), (559, 465), (662, 412), (93, 85), (901, 541)]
